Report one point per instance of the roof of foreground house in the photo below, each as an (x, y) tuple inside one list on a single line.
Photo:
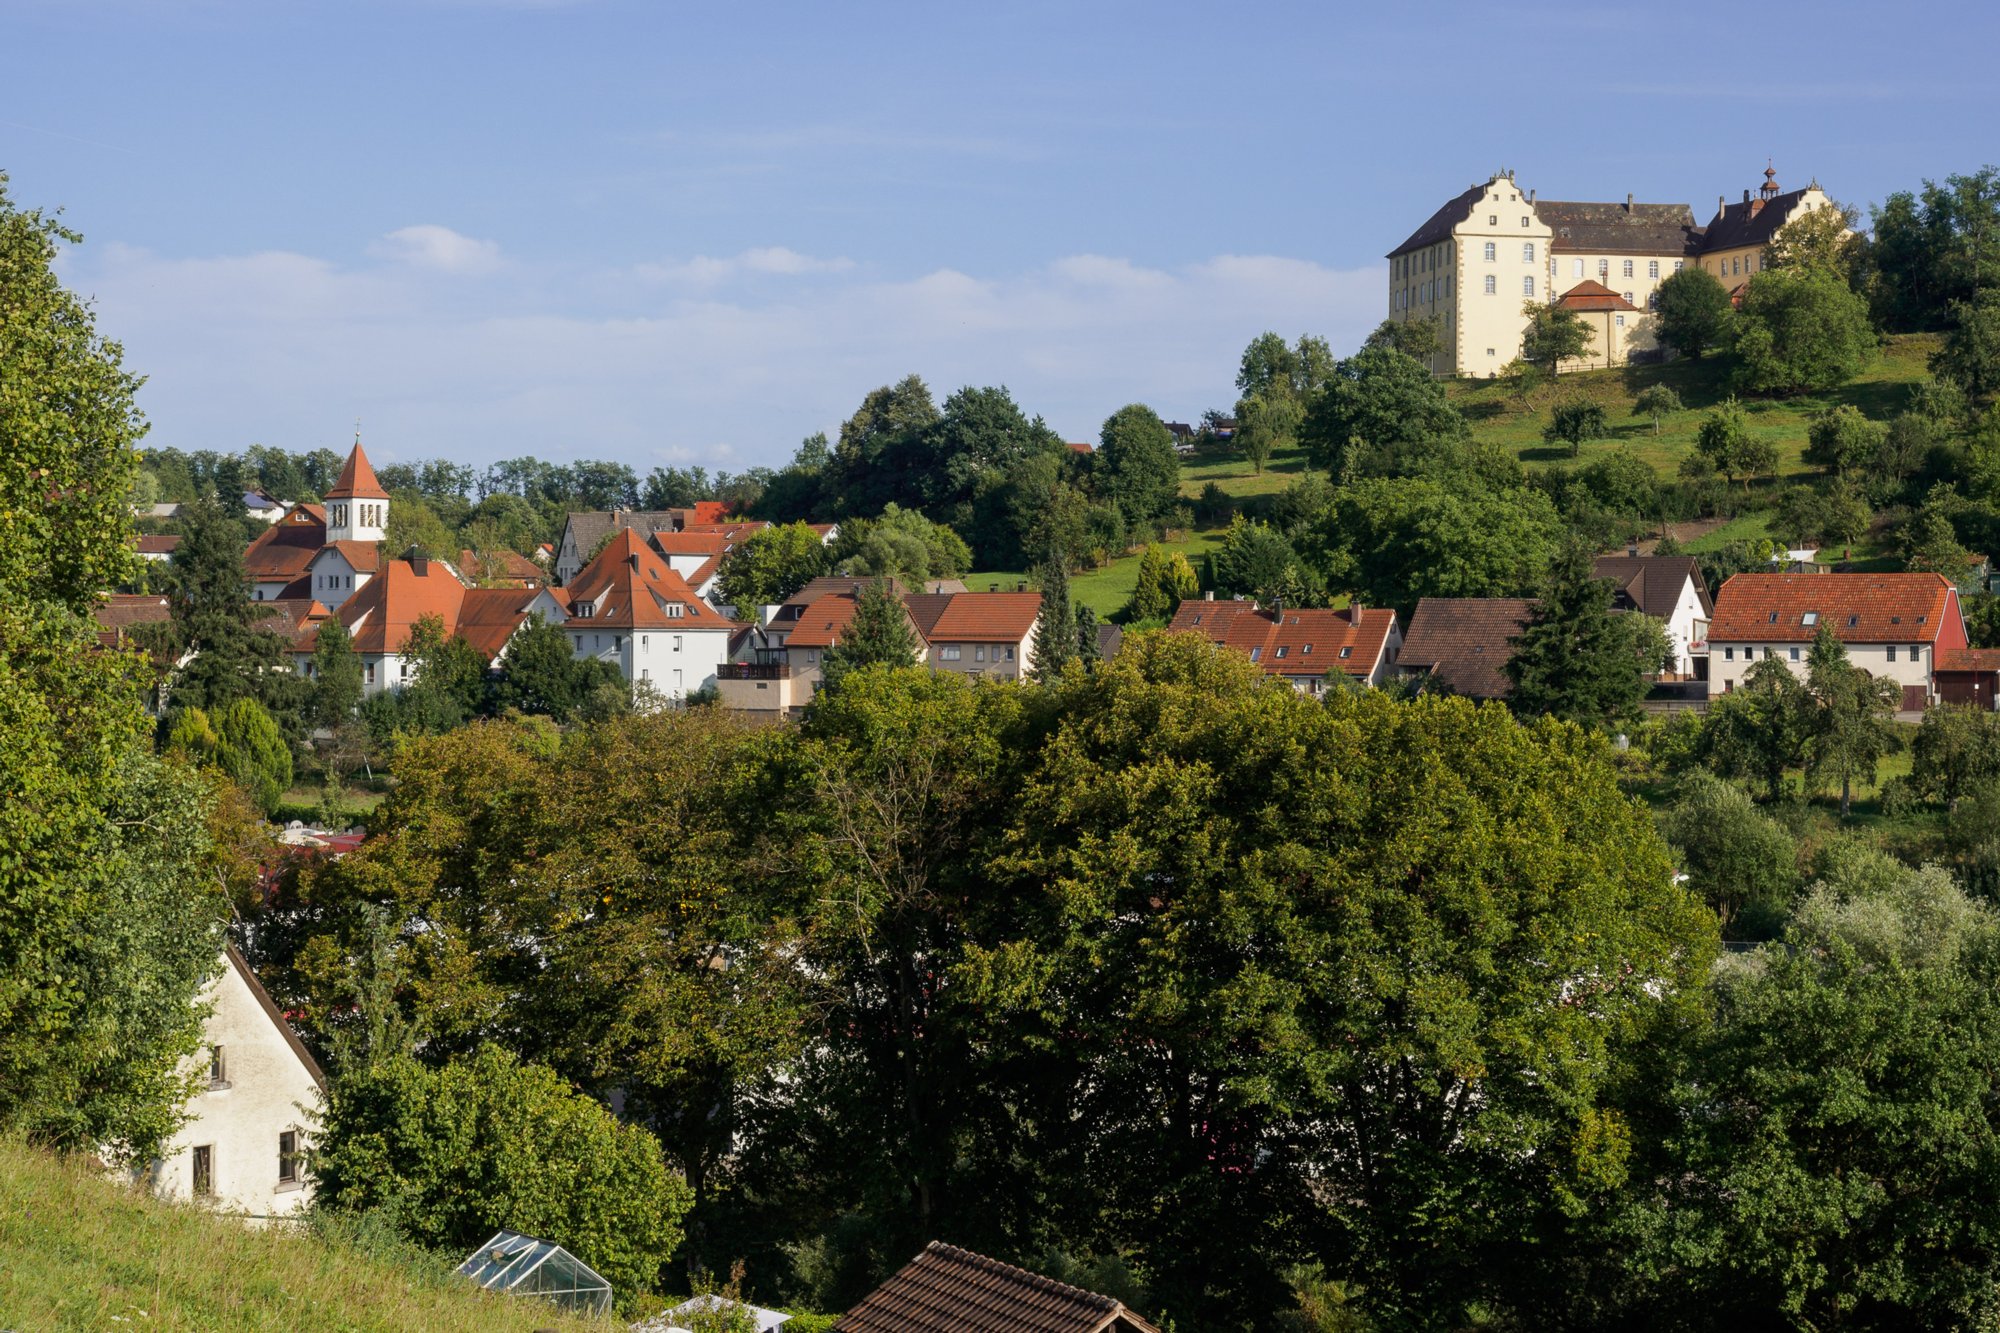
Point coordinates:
[(488, 617), (1653, 583), (1463, 642), (1304, 641), (630, 586), (985, 617), (1860, 608), (949, 1290), (1968, 659), (381, 615)]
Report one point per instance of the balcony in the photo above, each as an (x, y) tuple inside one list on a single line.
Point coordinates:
[(753, 671)]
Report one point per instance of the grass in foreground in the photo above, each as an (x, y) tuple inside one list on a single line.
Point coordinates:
[(78, 1251)]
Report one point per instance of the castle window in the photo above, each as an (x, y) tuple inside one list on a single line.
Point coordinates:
[(1679, 264), (1528, 252), (1576, 268), (1527, 286), (1492, 284), (1493, 219), (1652, 268), (1628, 301), (1603, 268), (1628, 268), (1621, 320), (1524, 222), (1491, 252)]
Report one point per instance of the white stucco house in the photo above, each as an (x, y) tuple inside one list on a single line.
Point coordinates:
[(628, 607), (1670, 589), (242, 1150)]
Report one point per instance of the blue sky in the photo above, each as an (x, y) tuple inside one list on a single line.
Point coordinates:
[(696, 233)]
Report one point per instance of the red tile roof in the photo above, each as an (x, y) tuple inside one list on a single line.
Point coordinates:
[(630, 586), (692, 541), (1294, 642), (949, 1290), (152, 543), (488, 617), (822, 623), (357, 480), (1463, 642), (361, 557), (282, 551), (510, 566), (119, 612), (381, 615), (1591, 295), (987, 617), (1968, 659), (1860, 608)]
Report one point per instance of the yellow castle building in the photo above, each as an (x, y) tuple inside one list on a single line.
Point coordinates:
[(1474, 264)]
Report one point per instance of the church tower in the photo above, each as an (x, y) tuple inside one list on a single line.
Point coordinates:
[(357, 508)]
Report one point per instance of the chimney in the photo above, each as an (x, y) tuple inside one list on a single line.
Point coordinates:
[(1719, 202), (1354, 610), (420, 563), (1632, 550), (1531, 197), (1628, 201), (1746, 196), (1208, 596)]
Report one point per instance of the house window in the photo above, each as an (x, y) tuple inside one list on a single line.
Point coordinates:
[(1729, 654), (1809, 618), (677, 643), (1492, 252), (1794, 654), (1527, 286), (1010, 654), (979, 652), (1774, 618), (218, 1068), (404, 668), (1852, 621), (1627, 270), (1770, 653), (1347, 651), (370, 669), (596, 642), (1492, 285), (1652, 268), (674, 610), (1283, 649), (288, 1157), (1528, 252), (949, 653), (1914, 656), (645, 641), (1256, 653), (1892, 652), (1306, 651), (618, 643), (204, 1171)]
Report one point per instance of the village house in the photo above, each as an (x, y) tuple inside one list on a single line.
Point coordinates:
[(275, 563), (1474, 264), (1902, 627), (628, 607), (949, 1290), (1302, 646), (1461, 645), (249, 1127), (1670, 589)]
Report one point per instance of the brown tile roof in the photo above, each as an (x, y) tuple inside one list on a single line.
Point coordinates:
[(158, 543), (357, 479), (119, 612), (1653, 583), (821, 624), (925, 608), (1968, 659), (949, 1290), (630, 586), (591, 526), (283, 550), (511, 566), (1593, 295), (1634, 229), (1861, 608), (826, 585), (1438, 226), (692, 541), (297, 619), (987, 617), (1753, 222), (1306, 642), (381, 615), (1463, 642)]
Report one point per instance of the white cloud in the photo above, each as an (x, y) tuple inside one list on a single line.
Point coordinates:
[(773, 260), (434, 247), (288, 349)]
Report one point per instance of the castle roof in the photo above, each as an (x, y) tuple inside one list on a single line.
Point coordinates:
[(1627, 228)]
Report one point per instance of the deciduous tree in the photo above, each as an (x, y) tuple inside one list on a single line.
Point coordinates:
[(770, 565), (1553, 334), (1136, 467), (1801, 332), (1694, 311), (1656, 401)]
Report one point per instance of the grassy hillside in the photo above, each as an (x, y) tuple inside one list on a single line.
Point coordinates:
[(1500, 416), (77, 1251)]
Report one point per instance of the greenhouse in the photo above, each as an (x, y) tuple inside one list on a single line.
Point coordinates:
[(525, 1266)]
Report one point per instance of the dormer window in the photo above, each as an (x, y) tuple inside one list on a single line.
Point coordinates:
[(1852, 621), (1256, 653), (674, 610), (1895, 620), (1306, 651), (1809, 618), (1774, 618), (1347, 651), (1283, 650)]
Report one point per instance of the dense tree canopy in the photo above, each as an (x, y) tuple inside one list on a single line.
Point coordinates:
[(1381, 413)]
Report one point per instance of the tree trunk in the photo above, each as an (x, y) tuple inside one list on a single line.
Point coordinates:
[(1846, 796)]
